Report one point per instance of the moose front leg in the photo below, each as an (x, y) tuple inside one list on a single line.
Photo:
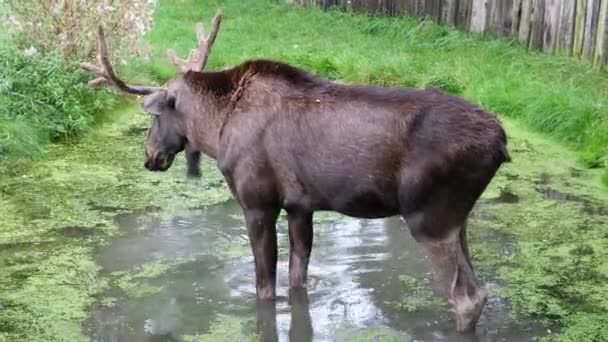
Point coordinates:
[(450, 260), (300, 243), (193, 158), (261, 227)]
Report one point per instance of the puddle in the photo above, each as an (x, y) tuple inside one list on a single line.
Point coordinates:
[(589, 207), (356, 283), (505, 197)]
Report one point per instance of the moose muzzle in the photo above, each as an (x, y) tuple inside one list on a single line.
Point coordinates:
[(159, 162)]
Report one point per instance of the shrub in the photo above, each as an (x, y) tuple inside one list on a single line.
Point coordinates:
[(69, 26), (42, 98), (43, 93)]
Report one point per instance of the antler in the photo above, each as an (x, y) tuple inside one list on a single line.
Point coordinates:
[(105, 72), (198, 57)]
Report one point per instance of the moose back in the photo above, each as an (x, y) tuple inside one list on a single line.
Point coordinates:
[(285, 139)]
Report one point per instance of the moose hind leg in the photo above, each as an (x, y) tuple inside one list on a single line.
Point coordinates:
[(261, 228), (300, 241), (451, 263)]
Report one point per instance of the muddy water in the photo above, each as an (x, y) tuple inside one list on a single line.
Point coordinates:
[(368, 281)]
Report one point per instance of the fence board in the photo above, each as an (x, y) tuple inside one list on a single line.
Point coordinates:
[(525, 21), (479, 15), (579, 27), (516, 17), (593, 9), (449, 10), (501, 20), (601, 45), (463, 18), (565, 29), (550, 24), (433, 9), (536, 24)]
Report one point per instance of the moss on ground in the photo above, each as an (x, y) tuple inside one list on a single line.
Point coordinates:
[(57, 210), (229, 329), (555, 215)]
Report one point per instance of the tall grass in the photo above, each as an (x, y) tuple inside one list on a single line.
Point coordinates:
[(560, 96), (42, 98)]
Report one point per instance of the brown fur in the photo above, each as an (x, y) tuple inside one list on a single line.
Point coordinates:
[(286, 139)]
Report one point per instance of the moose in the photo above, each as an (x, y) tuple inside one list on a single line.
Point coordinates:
[(286, 139)]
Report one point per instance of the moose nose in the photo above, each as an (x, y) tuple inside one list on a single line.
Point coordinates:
[(147, 164)]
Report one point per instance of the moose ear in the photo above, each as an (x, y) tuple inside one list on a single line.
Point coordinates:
[(158, 103)]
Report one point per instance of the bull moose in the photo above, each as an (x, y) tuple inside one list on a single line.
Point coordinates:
[(284, 138)]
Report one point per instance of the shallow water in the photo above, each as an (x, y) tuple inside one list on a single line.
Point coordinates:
[(354, 285)]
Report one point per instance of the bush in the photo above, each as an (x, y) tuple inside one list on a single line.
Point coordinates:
[(69, 26), (42, 98), (43, 93)]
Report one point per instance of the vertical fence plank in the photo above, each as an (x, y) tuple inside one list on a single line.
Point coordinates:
[(433, 9), (525, 21), (565, 29), (491, 9), (551, 24), (536, 24), (501, 19), (449, 10), (419, 8), (579, 27), (593, 10), (399, 6), (515, 17), (601, 45), (479, 15), (411, 7), (464, 14)]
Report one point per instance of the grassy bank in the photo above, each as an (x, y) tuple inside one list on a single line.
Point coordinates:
[(561, 97), (43, 98)]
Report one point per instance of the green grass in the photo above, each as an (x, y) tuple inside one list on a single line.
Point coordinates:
[(43, 98), (562, 97)]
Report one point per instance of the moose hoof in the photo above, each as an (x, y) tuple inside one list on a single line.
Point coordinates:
[(468, 310)]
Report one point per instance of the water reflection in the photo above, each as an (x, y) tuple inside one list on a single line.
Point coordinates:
[(300, 328), (354, 283)]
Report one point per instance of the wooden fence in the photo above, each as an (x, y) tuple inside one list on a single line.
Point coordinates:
[(576, 27)]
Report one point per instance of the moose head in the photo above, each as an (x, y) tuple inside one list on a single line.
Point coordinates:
[(166, 136)]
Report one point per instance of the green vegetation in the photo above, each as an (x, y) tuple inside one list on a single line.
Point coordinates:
[(55, 212), (42, 99), (416, 295), (227, 329), (563, 97), (556, 271)]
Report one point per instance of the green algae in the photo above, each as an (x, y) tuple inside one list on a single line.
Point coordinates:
[(229, 329), (43, 294), (556, 268), (135, 282), (67, 202), (380, 334), (416, 295)]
